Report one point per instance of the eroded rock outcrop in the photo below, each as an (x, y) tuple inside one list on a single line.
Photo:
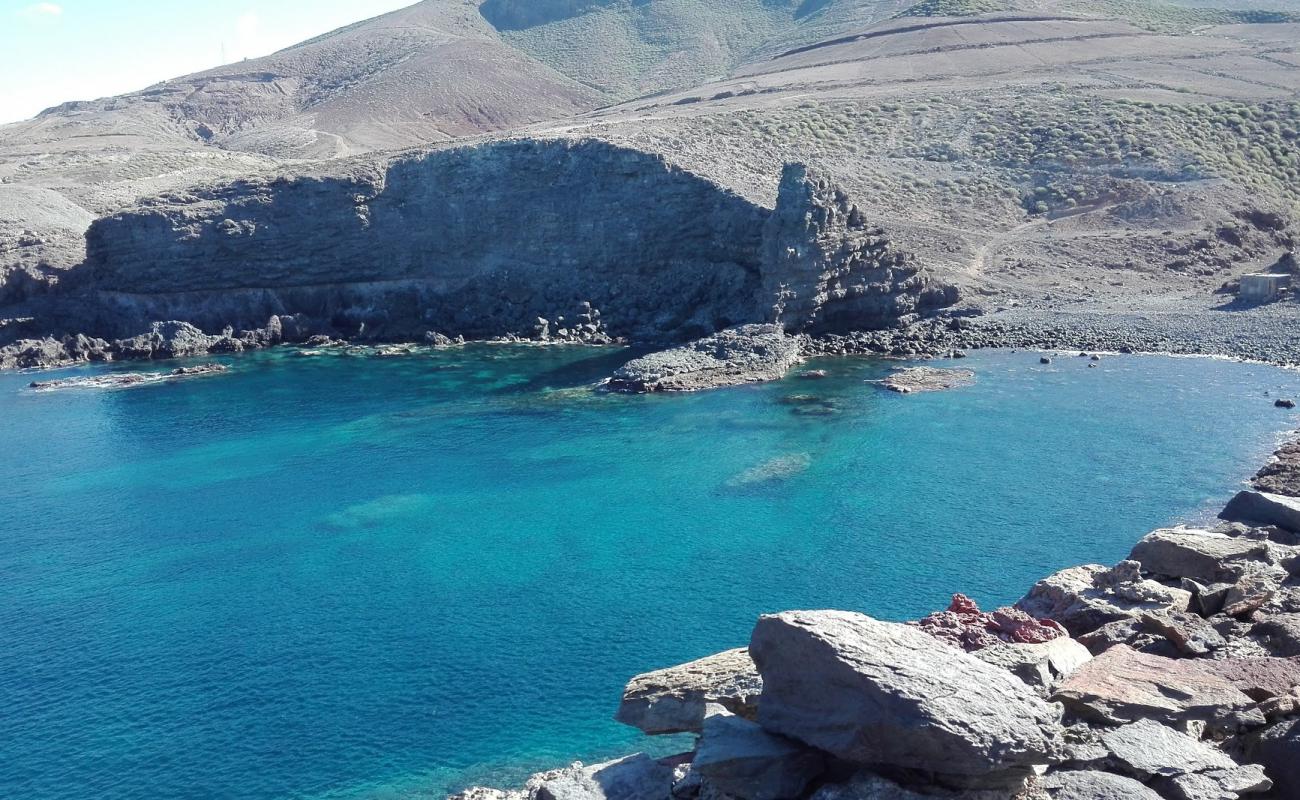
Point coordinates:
[(827, 270), (747, 354)]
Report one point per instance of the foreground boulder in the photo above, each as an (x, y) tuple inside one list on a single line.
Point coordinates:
[(1278, 749), (879, 693), (637, 777), (1123, 685), (740, 759), (673, 700), (1093, 785), (746, 354), (1263, 508)]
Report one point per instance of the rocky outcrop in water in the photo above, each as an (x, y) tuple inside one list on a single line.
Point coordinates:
[(747, 354)]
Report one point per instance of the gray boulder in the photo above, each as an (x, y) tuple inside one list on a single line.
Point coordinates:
[(1148, 750), (1093, 785), (1279, 633), (637, 777), (879, 693), (746, 354), (740, 759), (1201, 555), (673, 700), (1084, 598), (1263, 508), (1277, 748), (1042, 665)]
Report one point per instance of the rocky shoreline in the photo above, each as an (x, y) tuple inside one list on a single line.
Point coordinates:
[(1173, 675)]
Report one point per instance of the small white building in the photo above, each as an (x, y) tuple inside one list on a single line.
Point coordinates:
[(1263, 287)]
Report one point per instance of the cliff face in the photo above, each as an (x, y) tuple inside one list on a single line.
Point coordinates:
[(829, 272), (482, 241)]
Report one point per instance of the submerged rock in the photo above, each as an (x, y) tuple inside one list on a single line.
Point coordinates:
[(674, 700), (747, 354), (127, 380), (880, 693)]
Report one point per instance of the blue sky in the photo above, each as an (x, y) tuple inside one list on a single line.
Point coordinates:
[(51, 52)]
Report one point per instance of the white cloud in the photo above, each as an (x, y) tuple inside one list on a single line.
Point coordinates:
[(41, 11)]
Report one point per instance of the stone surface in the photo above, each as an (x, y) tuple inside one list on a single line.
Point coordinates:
[(1194, 553), (1282, 474), (740, 759), (637, 777), (747, 354), (1093, 785), (1042, 666), (879, 693), (1279, 633), (927, 379), (673, 700), (1260, 678), (1149, 749), (1277, 749), (1123, 685), (1084, 598), (1218, 784), (1189, 633), (1263, 508)]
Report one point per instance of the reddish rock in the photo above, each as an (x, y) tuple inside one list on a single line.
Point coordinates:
[(1122, 685), (964, 625), (1261, 678)]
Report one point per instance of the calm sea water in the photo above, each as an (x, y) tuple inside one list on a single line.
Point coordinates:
[(367, 578)]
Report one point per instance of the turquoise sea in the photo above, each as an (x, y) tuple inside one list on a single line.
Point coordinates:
[(340, 577)]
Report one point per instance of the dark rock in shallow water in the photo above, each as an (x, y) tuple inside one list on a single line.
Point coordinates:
[(879, 693), (748, 354)]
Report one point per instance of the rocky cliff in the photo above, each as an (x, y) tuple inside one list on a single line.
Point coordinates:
[(483, 241)]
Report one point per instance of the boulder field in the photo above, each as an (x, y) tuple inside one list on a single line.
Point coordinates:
[(1173, 675)]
